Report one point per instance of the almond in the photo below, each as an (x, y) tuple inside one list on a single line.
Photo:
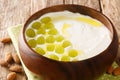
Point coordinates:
[(8, 57), (11, 76), (116, 71), (110, 70), (5, 40), (16, 68), (16, 58), (3, 63), (119, 41)]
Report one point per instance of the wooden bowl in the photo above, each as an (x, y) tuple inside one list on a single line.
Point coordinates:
[(89, 69)]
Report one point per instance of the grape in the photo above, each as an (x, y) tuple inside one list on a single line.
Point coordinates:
[(72, 53), (65, 58), (50, 47), (59, 38), (59, 49), (45, 20), (40, 40), (32, 43), (36, 25), (49, 25), (30, 32), (40, 50), (53, 56), (41, 31), (50, 39), (66, 43), (53, 31)]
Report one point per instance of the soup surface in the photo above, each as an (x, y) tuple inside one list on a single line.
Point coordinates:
[(67, 36)]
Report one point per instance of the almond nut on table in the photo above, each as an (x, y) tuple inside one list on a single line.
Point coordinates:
[(16, 68), (11, 76), (110, 70), (8, 57), (3, 63), (5, 40), (116, 71), (16, 58)]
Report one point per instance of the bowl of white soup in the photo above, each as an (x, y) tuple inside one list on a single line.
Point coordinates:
[(68, 42)]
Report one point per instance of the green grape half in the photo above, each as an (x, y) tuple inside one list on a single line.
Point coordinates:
[(41, 31), (40, 40), (40, 50), (53, 56), (36, 25), (59, 38), (32, 43), (65, 58), (49, 25), (53, 31), (50, 47), (59, 49), (30, 32), (66, 43), (45, 20), (50, 39), (72, 53)]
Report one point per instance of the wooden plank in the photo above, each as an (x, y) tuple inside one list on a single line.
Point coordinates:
[(53, 2), (13, 12), (111, 8), (90, 3)]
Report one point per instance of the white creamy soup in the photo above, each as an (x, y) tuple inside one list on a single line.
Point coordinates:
[(87, 37)]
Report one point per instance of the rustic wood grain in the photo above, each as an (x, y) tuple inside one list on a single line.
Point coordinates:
[(53, 2), (13, 12), (90, 3)]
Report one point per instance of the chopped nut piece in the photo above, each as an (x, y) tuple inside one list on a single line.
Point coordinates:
[(8, 57), (5, 40), (11, 76), (16, 58), (16, 68), (3, 63), (110, 70), (116, 71)]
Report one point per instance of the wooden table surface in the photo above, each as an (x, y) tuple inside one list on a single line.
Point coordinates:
[(13, 12)]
